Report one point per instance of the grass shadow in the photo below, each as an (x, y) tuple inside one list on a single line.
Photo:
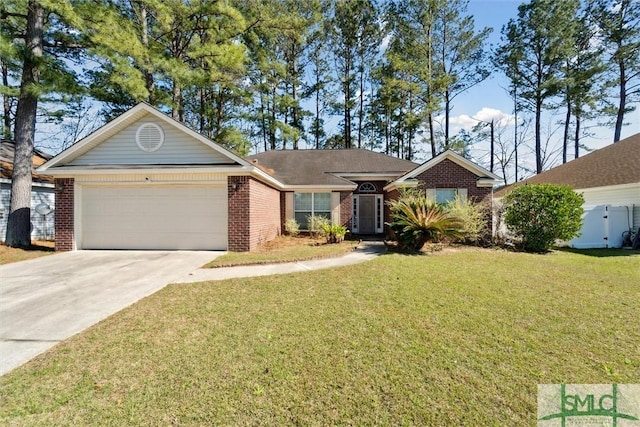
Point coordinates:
[(602, 252)]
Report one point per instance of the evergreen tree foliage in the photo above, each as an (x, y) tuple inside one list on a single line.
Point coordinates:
[(539, 41), (618, 23), (35, 37)]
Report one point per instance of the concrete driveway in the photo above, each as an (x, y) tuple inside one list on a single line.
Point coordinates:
[(46, 300)]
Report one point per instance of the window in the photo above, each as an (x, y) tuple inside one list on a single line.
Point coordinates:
[(316, 204), (367, 187), (445, 195)]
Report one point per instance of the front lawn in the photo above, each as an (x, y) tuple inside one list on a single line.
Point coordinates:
[(284, 249), (457, 337), (37, 249)]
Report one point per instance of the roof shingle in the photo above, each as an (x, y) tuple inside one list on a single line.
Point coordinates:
[(323, 167), (615, 164), (7, 149)]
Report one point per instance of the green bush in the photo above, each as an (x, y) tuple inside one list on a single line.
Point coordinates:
[(540, 214), (334, 232), (291, 227), (473, 217), (417, 220), (316, 225)]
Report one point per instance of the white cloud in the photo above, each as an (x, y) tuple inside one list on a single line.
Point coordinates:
[(485, 114)]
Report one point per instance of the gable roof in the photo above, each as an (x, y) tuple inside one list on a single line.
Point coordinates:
[(485, 177), (329, 167), (615, 164), (7, 151), (121, 122)]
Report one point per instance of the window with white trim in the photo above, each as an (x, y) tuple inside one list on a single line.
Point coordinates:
[(316, 204), (367, 187), (445, 195), (442, 196)]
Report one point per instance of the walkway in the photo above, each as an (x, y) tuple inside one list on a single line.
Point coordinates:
[(365, 252)]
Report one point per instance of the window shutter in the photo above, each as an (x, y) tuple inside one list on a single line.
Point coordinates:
[(288, 205), (431, 194), (335, 207), (462, 192)]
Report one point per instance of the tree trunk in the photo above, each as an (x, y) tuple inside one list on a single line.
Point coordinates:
[(623, 101), (361, 109), (565, 139), (201, 109), (577, 138), (316, 131), (493, 147), (347, 100), (515, 132), (6, 100), (538, 139), (19, 221), (432, 137), (148, 74), (272, 122), (447, 108), (177, 112), (295, 112)]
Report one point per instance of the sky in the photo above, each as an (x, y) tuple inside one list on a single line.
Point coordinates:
[(489, 100)]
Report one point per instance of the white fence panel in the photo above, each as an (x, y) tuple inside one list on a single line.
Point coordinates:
[(602, 226)]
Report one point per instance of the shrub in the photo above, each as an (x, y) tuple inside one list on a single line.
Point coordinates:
[(472, 216), (540, 214), (316, 225), (417, 220), (291, 227), (334, 232)]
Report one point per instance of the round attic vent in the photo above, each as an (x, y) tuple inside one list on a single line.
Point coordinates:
[(149, 137)]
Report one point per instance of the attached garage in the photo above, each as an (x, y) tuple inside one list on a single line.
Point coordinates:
[(186, 217), (146, 182)]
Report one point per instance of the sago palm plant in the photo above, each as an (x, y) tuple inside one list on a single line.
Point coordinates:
[(417, 220)]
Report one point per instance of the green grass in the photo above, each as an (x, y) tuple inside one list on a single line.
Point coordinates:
[(459, 337), (284, 249)]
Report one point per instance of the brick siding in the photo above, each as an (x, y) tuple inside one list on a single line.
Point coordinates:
[(254, 213), (448, 174), (346, 207), (265, 217), (64, 214)]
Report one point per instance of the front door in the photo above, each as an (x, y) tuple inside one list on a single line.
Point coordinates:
[(367, 217)]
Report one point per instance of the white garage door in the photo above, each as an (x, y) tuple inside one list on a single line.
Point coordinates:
[(154, 217)]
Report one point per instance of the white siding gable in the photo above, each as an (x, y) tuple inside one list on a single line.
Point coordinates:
[(178, 148)]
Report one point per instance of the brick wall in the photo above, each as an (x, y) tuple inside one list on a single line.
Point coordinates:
[(390, 195), (238, 201), (264, 213), (254, 213), (283, 209), (346, 207), (64, 214), (448, 174)]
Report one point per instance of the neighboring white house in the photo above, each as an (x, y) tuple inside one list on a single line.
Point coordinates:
[(609, 180), (42, 194)]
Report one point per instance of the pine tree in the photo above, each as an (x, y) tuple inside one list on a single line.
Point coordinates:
[(33, 26), (460, 54), (539, 39), (353, 34), (580, 74), (618, 23)]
